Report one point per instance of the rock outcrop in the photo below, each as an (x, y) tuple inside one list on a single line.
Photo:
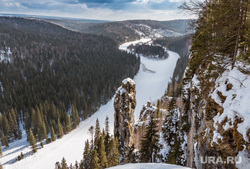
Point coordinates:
[(124, 104)]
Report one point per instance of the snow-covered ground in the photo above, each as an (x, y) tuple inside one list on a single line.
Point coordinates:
[(149, 86), (148, 166)]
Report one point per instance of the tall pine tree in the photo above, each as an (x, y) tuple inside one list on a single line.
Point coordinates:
[(95, 162), (32, 141), (60, 129), (102, 153), (113, 152), (87, 155), (150, 143), (53, 136), (97, 133)]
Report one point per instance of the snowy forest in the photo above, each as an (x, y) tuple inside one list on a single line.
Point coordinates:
[(87, 98)]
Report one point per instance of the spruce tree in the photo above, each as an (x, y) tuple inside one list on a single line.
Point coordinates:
[(91, 130), (102, 153), (32, 141), (86, 155), (107, 136), (175, 153), (4, 140), (95, 162), (60, 129), (150, 143), (53, 136), (67, 123), (6, 126), (113, 152), (44, 131), (170, 124), (75, 116), (64, 164), (97, 133)]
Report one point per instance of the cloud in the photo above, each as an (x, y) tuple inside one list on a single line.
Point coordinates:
[(96, 9)]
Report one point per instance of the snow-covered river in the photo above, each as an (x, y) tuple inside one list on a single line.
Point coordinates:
[(150, 85)]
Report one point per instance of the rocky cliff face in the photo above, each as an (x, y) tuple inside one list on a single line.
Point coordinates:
[(219, 119), (124, 104)]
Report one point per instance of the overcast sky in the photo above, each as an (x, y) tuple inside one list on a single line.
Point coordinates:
[(97, 9)]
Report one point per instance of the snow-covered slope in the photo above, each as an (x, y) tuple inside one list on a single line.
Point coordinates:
[(148, 166), (149, 86)]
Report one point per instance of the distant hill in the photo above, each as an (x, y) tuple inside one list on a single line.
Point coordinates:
[(128, 30)]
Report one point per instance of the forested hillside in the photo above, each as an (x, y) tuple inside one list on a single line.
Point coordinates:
[(51, 77), (129, 30)]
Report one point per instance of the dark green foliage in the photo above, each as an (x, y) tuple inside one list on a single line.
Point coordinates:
[(53, 136), (86, 155), (170, 125), (102, 153), (149, 51), (113, 152), (107, 135), (75, 116), (131, 156), (172, 135), (4, 140), (67, 126), (32, 141), (97, 133), (95, 161), (64, 164), (150, 143), (60, 129), (175, 153), (54, 70), (91, 130)]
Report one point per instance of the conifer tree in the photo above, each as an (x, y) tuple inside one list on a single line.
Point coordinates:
[(75, 116), (97, 133), (0, 151), (86, 155), (44, 130), (64, 164), (60, 129), (170, 123), (32, 141), (95, 162), (102, 153), (76, 165), (150, 143), (67, 123), (113, 152), (6, 126), (107, 136), (91, 130), (53, 136), (175, 153), (4, 140)]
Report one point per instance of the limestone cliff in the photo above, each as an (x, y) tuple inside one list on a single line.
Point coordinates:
[(124, 105)]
